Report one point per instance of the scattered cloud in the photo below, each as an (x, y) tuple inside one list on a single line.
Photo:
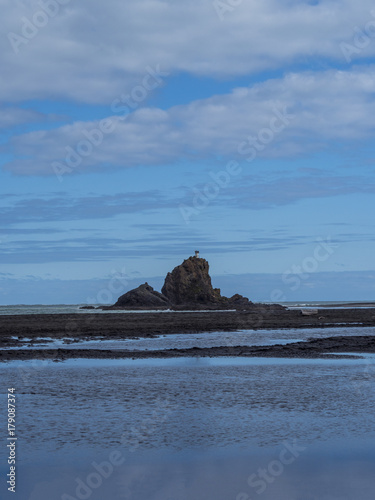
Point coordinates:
[(97, 249), (247, 193), (160, 244), (285, 191), (66, 208)]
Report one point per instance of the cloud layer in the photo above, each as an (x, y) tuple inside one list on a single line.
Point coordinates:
[(105, 47), (280, 117)]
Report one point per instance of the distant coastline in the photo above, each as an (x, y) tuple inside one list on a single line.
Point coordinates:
[(20, 309)]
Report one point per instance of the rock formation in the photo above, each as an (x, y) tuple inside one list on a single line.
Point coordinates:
[(188, 286), (143, 297), (190, 283)]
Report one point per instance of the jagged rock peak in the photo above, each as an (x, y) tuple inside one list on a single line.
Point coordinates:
[(190, 283)]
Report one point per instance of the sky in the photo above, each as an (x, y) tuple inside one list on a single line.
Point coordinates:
[(133, 133)]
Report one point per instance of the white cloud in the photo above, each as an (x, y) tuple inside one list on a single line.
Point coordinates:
[(326, 107), (92, 50)]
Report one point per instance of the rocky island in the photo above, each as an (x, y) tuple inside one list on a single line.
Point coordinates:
[(187, 287)]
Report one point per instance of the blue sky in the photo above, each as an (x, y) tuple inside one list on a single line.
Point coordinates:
[(133, 133)]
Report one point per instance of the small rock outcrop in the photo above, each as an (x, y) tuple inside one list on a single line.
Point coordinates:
[(143, 297)]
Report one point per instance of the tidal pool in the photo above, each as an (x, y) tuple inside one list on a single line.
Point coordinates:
[(213, 429)]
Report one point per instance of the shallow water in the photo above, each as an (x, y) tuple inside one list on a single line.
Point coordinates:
[(212, 339), (195, 428)]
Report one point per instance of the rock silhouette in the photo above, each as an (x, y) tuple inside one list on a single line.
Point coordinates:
[(188, 286)]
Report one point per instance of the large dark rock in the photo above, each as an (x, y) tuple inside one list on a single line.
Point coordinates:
[(190, 283), (143, 297), (189, 286)]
